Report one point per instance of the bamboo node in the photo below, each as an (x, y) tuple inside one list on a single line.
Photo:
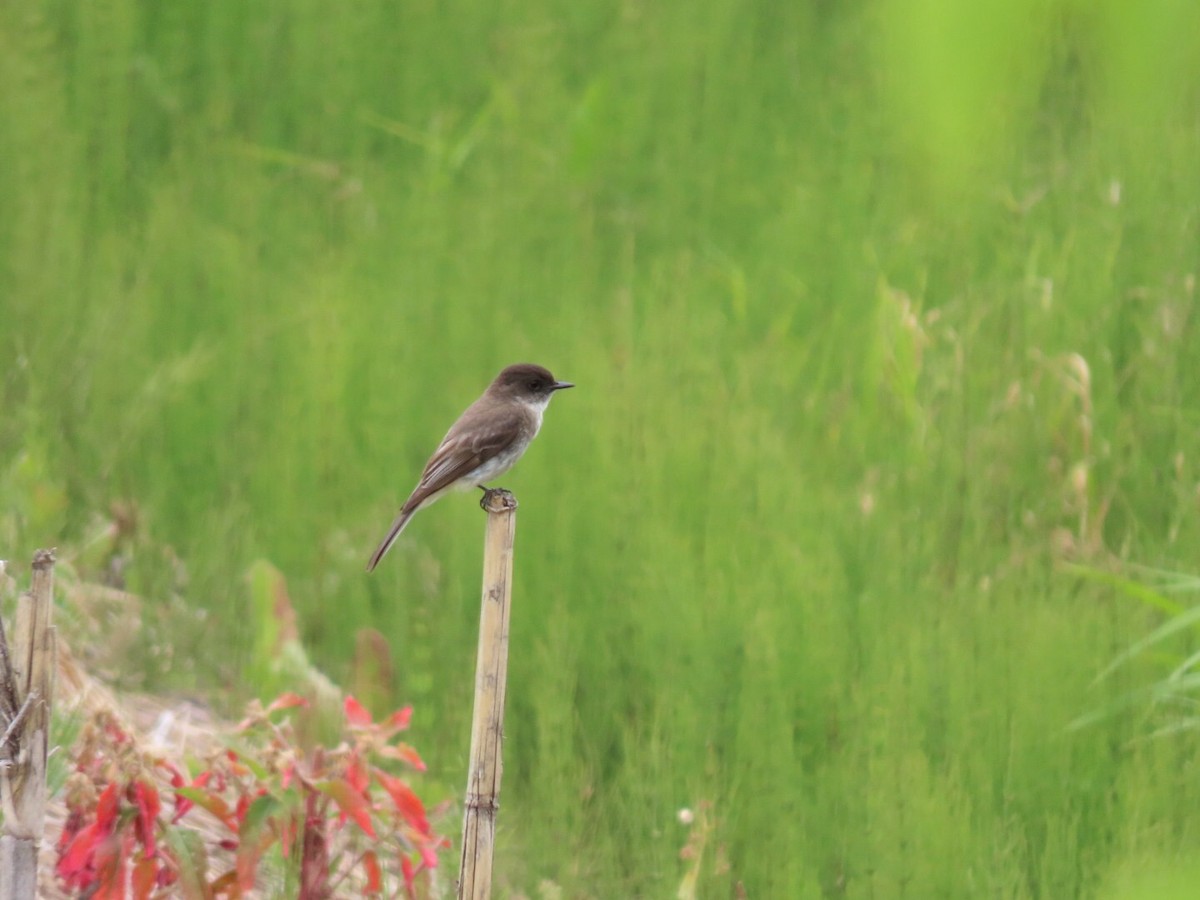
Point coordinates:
[(44, 559)]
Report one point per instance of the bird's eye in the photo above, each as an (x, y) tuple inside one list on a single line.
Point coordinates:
[(535, 385)]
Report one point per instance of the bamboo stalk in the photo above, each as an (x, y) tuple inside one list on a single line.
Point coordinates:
[(26, 692), (487, 726)]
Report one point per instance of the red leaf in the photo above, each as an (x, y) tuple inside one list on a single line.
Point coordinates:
[(236, 766), (110, 868), (406, 867), (352, 803), (146, 797), (167, 876), (177, 779), (429, 856), (404, 753), (356, 713), (398, 721), (182, 803), (224, 883), (145, 878), (110, 888), (68, 869), (74, 863), (407, 803), (374, 875), (286, 701), (357, 774), (106, 808)]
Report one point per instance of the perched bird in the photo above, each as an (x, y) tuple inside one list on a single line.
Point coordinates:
[(483, 444)]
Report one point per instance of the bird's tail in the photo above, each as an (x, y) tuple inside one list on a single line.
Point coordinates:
[(393, 533)]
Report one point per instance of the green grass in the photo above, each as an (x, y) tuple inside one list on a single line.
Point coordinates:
[(878, 311)]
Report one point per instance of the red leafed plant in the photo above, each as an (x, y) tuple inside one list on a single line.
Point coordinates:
[(320, 820)]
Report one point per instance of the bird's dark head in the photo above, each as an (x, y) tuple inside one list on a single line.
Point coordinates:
[(528, 383)]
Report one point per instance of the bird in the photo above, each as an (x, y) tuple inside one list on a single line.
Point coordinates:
[(486, 441)]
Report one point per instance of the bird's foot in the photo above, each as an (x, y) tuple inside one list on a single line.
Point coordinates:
[(496, 500)]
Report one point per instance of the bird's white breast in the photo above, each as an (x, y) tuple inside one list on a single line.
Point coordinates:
[(502, 462), (538, 408)]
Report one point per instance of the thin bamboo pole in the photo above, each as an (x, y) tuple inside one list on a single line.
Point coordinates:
[(491, 673), (26, 692)]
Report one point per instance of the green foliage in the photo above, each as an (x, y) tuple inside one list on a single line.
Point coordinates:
[(878, 311), (1169, 648)]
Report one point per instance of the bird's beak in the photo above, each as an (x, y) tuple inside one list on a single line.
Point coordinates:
[(562, 385)]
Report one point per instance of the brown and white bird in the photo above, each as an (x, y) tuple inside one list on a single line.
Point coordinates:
[(485, 442)]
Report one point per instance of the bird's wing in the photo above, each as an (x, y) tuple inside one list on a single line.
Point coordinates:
[(465, 448)]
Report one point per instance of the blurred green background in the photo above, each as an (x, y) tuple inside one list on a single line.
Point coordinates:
[(880, 311)]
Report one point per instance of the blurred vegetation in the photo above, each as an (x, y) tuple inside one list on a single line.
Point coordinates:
[(878, 312)]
